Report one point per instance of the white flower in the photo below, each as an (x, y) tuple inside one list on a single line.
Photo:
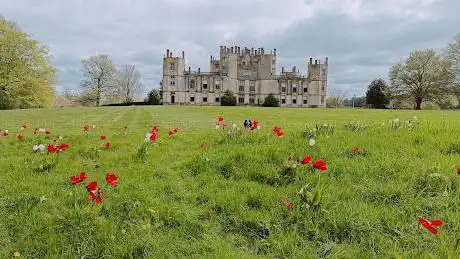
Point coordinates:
[(35, 148), (60, 137), (94, 126), (22, 128), (41, 130), (41, 147), (147, 137), (6, 131), (312, 142), (217, 126), (234, 125)]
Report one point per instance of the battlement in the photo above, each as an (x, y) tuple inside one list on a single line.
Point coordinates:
[(317, 62), (169, 54), (241, 51)]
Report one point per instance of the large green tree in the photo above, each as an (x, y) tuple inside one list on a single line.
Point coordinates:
[(424, 76), (26, 77), (376, 94)]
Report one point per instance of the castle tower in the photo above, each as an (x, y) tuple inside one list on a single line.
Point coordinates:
[(317, 81), (173, 77)]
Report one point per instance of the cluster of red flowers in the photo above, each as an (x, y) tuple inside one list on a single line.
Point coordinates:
[(278, 132), (221, 123), (255, 125), (57, 148), (171, 132), (94, 192), (430, 224), (107, 144), (318, 164)]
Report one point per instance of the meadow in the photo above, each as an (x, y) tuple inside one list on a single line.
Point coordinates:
[(205, 192)]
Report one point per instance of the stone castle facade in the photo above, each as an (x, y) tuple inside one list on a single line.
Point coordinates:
[(250, 74)]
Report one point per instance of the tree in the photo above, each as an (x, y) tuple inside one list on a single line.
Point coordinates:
[(453, 54), (99, 74), (228, 99), (425, 76), (333, 102), (128, 83), (376, 94), (153, 97), (271, 101), (26, 78)]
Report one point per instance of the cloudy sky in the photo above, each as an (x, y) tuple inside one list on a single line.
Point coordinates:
[(362, 38)]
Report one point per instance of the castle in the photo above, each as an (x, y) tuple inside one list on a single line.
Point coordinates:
[(250, 74)]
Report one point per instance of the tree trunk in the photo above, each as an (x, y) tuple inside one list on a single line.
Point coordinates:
[(418, 103)]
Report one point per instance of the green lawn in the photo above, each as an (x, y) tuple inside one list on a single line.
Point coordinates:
[(225, 200)]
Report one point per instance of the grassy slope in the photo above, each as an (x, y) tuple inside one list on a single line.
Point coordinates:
[(218, 202)]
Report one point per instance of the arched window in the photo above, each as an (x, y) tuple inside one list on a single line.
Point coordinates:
[(192, 83)]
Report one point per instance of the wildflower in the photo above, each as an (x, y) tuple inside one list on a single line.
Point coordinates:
[(47, 132), (234, 126), (111, 179), (107, 145), (175, 130), (430, 225), (220, 118), (41, 130), (255, 125), (356, 150), (306, 160), (288, 204), (5, 133), (312, 142), (320, 164), (19, 136), (94, 193), (22, 128), (103, 137), (153, 137), (289, 158), (147, 137), (58, 148), (94, 126), (17, 254), (76, 179), (458, 170), (203, 145), (154, 130), (40, 147), (86, 128), (217, 126), (60, 137)]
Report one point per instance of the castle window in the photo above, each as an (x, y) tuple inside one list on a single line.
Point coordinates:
[(322, 99), (205, 85), (192, 99), (305, 101), (240, 100), (283, 89), (217, 84), (192, 83), (205, 99), (241, 88), (217, 99), (171, 67), (252, 86), (251, 101), (283, 101), (323, 85), (173, 81), (241, 82), (305, 90), (294, 89), (294, 101)]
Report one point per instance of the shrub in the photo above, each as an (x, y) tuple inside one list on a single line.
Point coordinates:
[(228, 99), (271, 101), (153, 97)]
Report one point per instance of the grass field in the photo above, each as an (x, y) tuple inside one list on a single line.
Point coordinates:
[(206, 193)]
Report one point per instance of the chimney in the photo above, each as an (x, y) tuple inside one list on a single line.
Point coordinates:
[(262, 49), (255, 52), (228, 50), (316, 62), (239, 50), (199, 70), (282, 69), (231, 49), (274, 51), (167, 53), (311, 61), (252, 51), (211, 58), (183, 54), (327, 60), (189, 70)]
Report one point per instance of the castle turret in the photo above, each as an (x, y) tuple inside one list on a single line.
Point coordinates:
[(173, 74)]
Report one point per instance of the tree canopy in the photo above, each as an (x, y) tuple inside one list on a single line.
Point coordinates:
[(376, 94), (228, 99), (424, 76), (26, 77), (99, 77)]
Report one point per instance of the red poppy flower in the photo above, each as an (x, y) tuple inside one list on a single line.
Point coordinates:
[(154, 130), (24, 126), (62, 147), (111, 179), (5, 133), (96, 195), (170, 133), (356, 150), (280, 134), (51, 148), (47, 132), (20, 136), (289, 158), (320, 164), (290, 206), (102, 137), (175, 130), (107, 145), (254, 125), (220, 118), (458, 170), (430, 225), (153, 137), (78, 178), (92, 186), (306, 160)]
